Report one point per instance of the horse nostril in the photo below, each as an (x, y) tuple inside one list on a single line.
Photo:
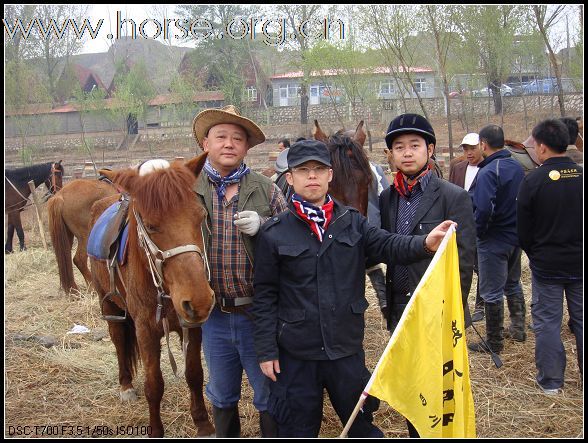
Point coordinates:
[(187, 306)]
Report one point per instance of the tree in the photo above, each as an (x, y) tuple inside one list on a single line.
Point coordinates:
[(440, 21), (225, 57), (354, 78), (488, 33), (132, 92), (545, 21), (19, 47), (57, 40), (296, 16), (391, 27)]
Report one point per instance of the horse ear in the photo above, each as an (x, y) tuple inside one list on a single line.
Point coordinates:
[(59, 162), (197, 163), (106, 173), (125, 178), (318, 134), (360, 134)]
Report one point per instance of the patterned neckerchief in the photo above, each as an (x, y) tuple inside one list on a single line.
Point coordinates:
[(220, 183), (318, 218), (402, 185)]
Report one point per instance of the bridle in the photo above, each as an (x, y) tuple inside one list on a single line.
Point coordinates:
[(156, 258), (55, 170)]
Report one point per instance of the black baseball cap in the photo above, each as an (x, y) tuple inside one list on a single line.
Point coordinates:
[(306, 150)]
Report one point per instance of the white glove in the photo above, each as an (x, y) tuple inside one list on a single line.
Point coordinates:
[(248, 222)]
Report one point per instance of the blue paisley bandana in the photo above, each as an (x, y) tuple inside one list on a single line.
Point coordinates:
[(220, 183)]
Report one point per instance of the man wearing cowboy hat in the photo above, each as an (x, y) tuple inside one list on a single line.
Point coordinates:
[(238, 201)]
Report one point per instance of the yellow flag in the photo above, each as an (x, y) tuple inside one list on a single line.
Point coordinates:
[(424, 371)]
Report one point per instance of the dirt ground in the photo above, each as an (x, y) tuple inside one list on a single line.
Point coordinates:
[(74, 382)]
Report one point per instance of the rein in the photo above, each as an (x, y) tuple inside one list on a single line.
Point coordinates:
[(15, 205), (156, 258)]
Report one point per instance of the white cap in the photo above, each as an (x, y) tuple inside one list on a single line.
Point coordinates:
[(470, 139)]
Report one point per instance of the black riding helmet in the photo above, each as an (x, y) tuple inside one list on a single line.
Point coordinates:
[(407, 123)]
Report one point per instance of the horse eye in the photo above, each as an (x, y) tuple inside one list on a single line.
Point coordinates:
[(151, 229)]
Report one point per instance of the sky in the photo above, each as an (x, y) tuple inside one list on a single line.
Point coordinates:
[(139, 13)]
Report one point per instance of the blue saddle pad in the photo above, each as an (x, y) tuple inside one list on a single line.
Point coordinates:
[(97, 248)]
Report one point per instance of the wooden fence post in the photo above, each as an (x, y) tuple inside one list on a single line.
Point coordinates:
[(38, 212)]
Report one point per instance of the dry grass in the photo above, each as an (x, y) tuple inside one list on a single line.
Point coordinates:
[(75, 382)]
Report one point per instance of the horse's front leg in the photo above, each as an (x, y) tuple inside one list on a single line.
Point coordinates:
[(195, 380), (9, 237), (20, 234), (150, 350)]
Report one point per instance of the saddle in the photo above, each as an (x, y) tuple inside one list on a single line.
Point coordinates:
[(108, 242), (110, 232), (524, 155)]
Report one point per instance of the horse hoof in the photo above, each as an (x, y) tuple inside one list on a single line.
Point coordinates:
[(128, 395)]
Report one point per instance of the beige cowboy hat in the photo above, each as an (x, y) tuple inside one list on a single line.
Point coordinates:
[(229, 114)]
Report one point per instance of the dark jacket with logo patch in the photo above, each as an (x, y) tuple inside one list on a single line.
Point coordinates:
[(441, 201), (549, 218), (310, 296)]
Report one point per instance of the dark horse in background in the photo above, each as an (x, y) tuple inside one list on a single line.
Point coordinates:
[(165, 222), (17, 193), (352, 175)]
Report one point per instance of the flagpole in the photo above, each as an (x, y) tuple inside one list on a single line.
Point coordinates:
[(358, 406), (366, 390)]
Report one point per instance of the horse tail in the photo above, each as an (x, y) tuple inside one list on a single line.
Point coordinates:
[(132, 348), (61, 238)]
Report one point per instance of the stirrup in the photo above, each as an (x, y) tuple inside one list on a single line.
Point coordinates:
[(115, 318)]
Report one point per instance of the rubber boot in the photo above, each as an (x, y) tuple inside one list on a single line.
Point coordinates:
[(478, 314), (379, 284), (267, 425), (226, 422), (494, 322), (516, 306)]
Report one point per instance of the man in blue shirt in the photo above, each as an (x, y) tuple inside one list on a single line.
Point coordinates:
[(494, 193)]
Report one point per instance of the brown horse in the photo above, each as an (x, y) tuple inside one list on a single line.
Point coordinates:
[(164, 257), (352, 174), (525, 155), (17, 192), (69, 217)]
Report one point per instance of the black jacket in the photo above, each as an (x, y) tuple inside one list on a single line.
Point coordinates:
[(441, 201), (310, 296), (549, 218)]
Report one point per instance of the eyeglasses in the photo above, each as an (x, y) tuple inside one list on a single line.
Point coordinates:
[(317, 170)]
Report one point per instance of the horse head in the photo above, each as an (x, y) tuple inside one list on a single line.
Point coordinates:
[(167, 225), (352, 174)]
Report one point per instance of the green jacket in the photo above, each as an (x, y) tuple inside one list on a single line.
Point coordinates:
[(254, 195)]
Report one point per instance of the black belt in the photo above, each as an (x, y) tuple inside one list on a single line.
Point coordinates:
[(235, 305), (234, 302)]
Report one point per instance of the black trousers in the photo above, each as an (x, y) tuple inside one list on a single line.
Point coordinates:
[(296, 398)]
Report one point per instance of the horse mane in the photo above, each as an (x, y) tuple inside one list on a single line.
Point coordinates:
[(160, 193), (338, 145), (23, 175)]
